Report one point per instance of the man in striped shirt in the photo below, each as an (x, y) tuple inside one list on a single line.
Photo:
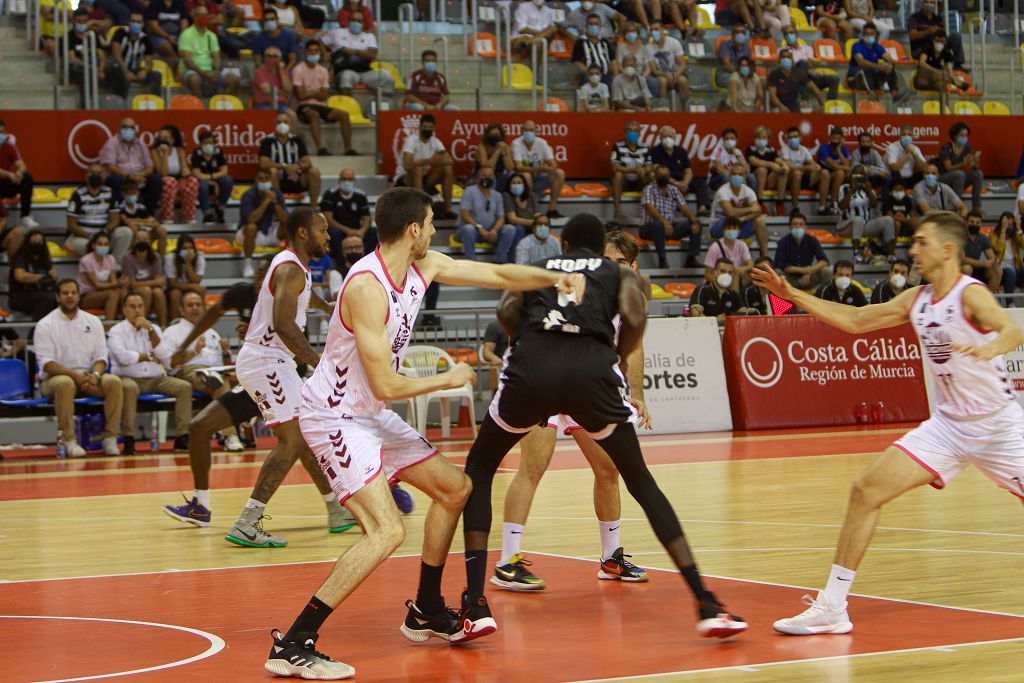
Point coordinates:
[(91, 209), (291, 169), (594, 52)]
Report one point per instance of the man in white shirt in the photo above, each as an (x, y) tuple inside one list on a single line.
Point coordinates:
[(535, 160), (593, 95), (71, 350), (738, 200), (805, 173), (133, 343), (424, 163), (533, 20), (905, 158), (352, 51), (668, 63)]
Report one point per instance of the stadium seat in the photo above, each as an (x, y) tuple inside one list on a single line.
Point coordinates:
[(391, 69), (64, 193), (870, 107), (560, 47), (593, 190), (228, 102), (828, 50), (966, 109), (659, 294), (896, 51), (167, 77), (147, 102), (522, 77), (848, 47), (567, 191), (480, 246), (971, 90), (553, 104), (238, 190), (186, 102), (838, 107), (253, 9), (44, 195), (172, 244), (996, 109), (461, 354), (704, 19), (764, 50), (932, 107), (350, 105), (211, 299), (57, 250), (457, 191), (487, 45), (799, 20), (214, 245), (826, 237), (14, 383), (681, 290)]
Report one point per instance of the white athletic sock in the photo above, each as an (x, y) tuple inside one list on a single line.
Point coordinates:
[(511, 538), (330, 500), (253, 509), (247, 263), (609, 538), (840, 579), (203, 497)]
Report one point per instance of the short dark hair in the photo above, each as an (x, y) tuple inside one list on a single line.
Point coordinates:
[(314, 43), (974, 213), (958, 128), (397, 209), (584, 231), (899, 262), (625, 244), (796, 214), (65, 280), (869, 25), (428, 118), (864, 134), (724, 259), (301, 217), (844, 263), (269, 10), (792, 129), (765, 259), (129, 186), (207, 134), (728, 130), (95, 238), (129, 295), (731, 220), (428, 53)]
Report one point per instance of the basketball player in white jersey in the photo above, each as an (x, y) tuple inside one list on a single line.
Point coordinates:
[(976, 420), (512, 571), (266, 365), (356, 439)]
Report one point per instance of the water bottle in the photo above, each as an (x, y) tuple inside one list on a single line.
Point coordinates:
[(61, 451), (878, 413), (154, 438), (862, 413)]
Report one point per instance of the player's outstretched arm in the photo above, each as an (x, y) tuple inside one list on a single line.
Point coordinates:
[(288, 283), (506, 276), (851, 319), (982, 309), (365, 312), (209, 318)]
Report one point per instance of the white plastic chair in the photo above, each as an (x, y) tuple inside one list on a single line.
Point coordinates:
[(424, 360), (411, 402)]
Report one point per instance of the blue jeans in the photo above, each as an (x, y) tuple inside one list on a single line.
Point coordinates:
[(503, 252), (1012, 278), (224, 186)]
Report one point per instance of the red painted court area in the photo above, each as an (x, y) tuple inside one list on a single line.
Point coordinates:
[(581, 628)]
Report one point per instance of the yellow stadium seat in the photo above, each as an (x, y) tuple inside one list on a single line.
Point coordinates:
[(172, 244), (480, 246), (522, 77), (167, 77), (229, 102), (150, 102), (799, 20), (848, 47), (704, 19), (64, 193), (44, 195), (932, 107), (57, 250), (838, 107), (391, 69), (658, 294), (457, 191), (996, 109), (238, 190), (966, 109), (350, 105)]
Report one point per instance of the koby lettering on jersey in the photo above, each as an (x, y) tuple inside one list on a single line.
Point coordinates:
[(573, 265)]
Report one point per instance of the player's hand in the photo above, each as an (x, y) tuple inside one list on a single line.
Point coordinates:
[(573, 286), (462, 374), (985, 352), (201, 344), (225, 346), (641, 409), (242, 329), (766, 277), (178, 358)]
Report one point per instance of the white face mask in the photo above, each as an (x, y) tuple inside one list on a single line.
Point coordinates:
[(668, 143), (724, 280), (899, 281), (843, 282), (630, 71), (595, 79), (282, 128)]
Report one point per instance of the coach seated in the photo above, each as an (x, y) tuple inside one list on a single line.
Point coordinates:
[(717, 298), (842, 289), (133, 343), (72, 354)]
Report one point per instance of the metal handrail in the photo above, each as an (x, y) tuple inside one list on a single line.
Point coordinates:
[(984, 52), (543, 42), (61, 29), (472, 39), (376, 25), (90, 78), (464, 11), (992, 12), (444, 51), (497, 39), (33, 17), (406, 15), (946, 12), (507, 13)]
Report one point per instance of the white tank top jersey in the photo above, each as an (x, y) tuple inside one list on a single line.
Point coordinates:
[(340, 382), (966, 387), (261, 337)]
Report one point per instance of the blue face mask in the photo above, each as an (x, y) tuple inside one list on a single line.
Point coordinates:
[(869, 40), (794, 143), (931, 180), (740, 38), (313, 59), (529, 137), (745, 71), (128, 134), (656, 36), (430, 67), (760, 143), (644, 34), (270, 25), (630, 36), (736, 180), (3, 138), (102, 250), (791, 38), (732, 234), (907, 140), (786, 63), (81, 28), (962, 140), (347, 186), (593, 30), (264, 187), (135, 27), (542, 231), (632, 137), (355, 26), (729, 144), (517, 189), (798, 233)]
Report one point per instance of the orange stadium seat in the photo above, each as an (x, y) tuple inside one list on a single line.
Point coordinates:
[(186, 102), (764, 50), (211, 299), (252, 9), (553, 104), (896, 51), (461, 354), (214, 245), (826, 237), (828, 50), (593, 190), (487, 45), (560, 47), (681, 290), (567, 191), (870, 107)]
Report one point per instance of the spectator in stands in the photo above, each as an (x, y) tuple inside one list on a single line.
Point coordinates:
[(842, 289), (729, 246), (11, 238), (428, 88), (99, 19), (482, 218), (534, 158), (76, 53), (804, 173), (131, 215), (90, 210), (425, 164), (98, 285), (900, 206), (125, 157), (746, 89), (673, 156), (49, 19), (289, 16), (979, 258), (801, 257), (312, 85), (631, 166), (632, 45), (738, 12), (200, 64), (1007, 248), (539, 243), (661, 199), (323, 277), (133, 345), (594, 51), (32, 277), (738, 199), (867, 156), (593, 95), (860, 13), (533, 20), (776, 15), (835, 157), (72, 353), (755, 298), (684, 15), (350, 6), (231, 44), (892, 286), (494, 151), (785, 85), (860, 217), (210, 169), (273, 36), (179, 186), (143, 271), (351, 251), (284, 155), (960, 164), (726, 155), (262, 217), (347, 211), (925, 25), (15, 181), (271, 75), (353, 49), (666, 62), (873, 68), (718, 298), (830, 18), (769, 172), (166, 19), (935, 66), (611, 22), (730, 52), (803, 64), (520, 203), (905, 158), (131, 52), (184, 268), (931, 195)]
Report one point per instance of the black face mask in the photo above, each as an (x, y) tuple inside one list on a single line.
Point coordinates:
[(493, 138), (974, 229), (94, 180), (487, 183), (865, 149), (426, 134), (37, 247), (662, 181), (142, 247)]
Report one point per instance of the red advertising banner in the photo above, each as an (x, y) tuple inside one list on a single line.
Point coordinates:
[(795, 371), (582, 143), (59, 145)]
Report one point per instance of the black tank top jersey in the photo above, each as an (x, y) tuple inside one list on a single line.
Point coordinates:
[(545, 312)]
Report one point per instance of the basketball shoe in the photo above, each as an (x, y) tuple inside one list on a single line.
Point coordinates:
[(250, 533), (419, 627), (716, 622), (516, 577), (339, 518), (403, 499), (190, 513), (300, 659), (618, 568), (475, 620), (819, 617)]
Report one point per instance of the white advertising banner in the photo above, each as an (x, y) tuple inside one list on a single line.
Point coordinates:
[(684, 376), (1015, 358)]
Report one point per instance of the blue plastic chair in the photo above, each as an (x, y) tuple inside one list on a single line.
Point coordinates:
[(14, 384)]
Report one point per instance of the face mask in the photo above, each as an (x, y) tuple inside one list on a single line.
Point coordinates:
[(630, 71), (542, 231), (103, 251), (865, 149), (202, 21), (529, 136), (928, 8), (517, 189), (656, 36), (632, 137), (869, 40), (899, 281), (662, 181), (630, 36), (736, 180), (81, 28), (973, 229), (798, 233), (843, 282), (760, 143), (135, 27), (939, 47), (740, 38), (732, 234), (493, 138), (786, 63), (427, 134), (794, 143), (906, 140), (313, 59), (282, 128), (128, 134), (587, 6), (745, 71), (264, 187), (595, 79), (347, 186), (352, 257), (538, 3), (270, 25), (962, 140), (487, 183), (208, 150), (899, 195), (791, 38), (931, 180), (668, 143), (430, 67), (94, 180), (593, 30), (355, 26), (729, 144), (131, 200), (141, 246), (724, 280)]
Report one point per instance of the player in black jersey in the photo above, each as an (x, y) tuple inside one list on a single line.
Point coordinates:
[(565, 361)]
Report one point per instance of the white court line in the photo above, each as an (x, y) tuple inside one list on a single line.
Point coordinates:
[(216, 644), (831, 549)]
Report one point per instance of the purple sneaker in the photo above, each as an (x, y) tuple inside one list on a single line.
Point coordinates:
[(403, 499), (191, 513)]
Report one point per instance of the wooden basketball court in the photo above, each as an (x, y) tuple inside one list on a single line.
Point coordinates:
[(96, 583)]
